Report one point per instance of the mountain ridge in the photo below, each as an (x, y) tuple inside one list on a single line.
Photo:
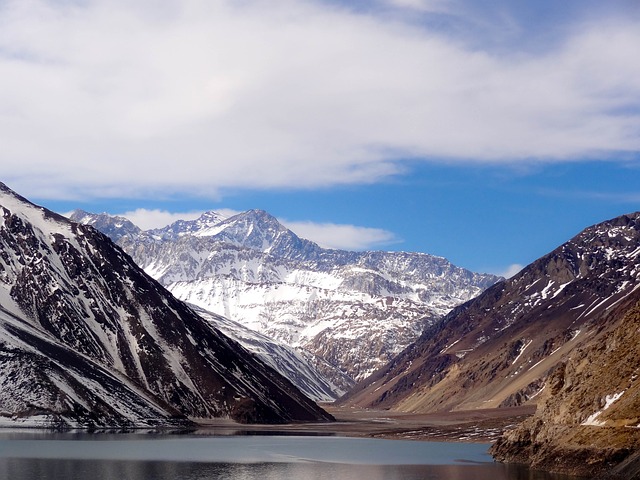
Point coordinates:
[(513, 328)]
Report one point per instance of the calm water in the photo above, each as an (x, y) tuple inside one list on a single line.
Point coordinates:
[(265, 457)]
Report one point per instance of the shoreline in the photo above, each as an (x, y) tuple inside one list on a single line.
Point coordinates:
[(471, 426)]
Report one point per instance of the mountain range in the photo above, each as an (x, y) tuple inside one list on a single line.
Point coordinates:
[(348, 313), (88, 339)]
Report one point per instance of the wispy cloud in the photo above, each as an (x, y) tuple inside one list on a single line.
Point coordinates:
[(148, 219), (341, 236), (114, 98), (440, 6), (593, 195)]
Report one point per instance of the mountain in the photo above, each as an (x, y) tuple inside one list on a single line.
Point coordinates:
[(88, 339), (497, 349), (561, 334), (301, 367), (353, 311)]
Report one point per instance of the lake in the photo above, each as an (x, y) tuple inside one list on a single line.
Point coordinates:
[(80, 456)]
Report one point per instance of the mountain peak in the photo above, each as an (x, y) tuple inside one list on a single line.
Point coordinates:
[(113, 226), (259, 217), (203, 226), (259, 213), (259, 230), (212, 223), (39, 217)]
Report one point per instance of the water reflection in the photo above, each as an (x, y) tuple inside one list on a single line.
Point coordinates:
[(23, 469), (247, 449), (187, 457)]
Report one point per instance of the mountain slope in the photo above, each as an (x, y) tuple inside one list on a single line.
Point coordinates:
[(299, 367), (76, 303), (588, 418), (498, 349), (44, 383), (352, 310)]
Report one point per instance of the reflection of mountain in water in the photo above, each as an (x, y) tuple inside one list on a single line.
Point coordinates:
[(137, 457)]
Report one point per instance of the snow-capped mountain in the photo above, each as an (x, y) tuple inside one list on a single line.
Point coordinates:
[(351, 310), (500, 349), (316, 378), (88, 339)]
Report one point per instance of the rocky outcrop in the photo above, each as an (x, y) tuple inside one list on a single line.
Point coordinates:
[(588, 420)]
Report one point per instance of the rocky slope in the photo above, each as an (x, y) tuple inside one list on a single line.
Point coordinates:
[(88, 339), (588, 420), (499, 349), (352, 311)]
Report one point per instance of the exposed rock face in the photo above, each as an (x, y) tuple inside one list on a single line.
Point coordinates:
[(112, 226), (88, 339), (498, 349), (588, 420), (354, 311)]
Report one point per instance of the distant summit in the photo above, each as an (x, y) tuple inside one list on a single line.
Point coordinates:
[(113, 227), (204, 226)]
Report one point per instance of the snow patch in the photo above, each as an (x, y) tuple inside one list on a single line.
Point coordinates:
[(524, 347), (593, 418)]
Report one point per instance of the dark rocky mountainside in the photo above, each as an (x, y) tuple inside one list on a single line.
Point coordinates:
[(88, 339), (563, 334), (499, 349)]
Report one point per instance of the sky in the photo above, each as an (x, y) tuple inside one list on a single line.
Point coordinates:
[(484, 131)]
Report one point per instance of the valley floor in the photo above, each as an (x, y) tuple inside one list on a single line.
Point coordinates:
[(464, 426)]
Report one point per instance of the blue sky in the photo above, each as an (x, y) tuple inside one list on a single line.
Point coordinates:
[(484, 131)]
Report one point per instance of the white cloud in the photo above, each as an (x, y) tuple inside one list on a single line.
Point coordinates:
[(115, 98), (341, 236), (148, 219), (423, 5)]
